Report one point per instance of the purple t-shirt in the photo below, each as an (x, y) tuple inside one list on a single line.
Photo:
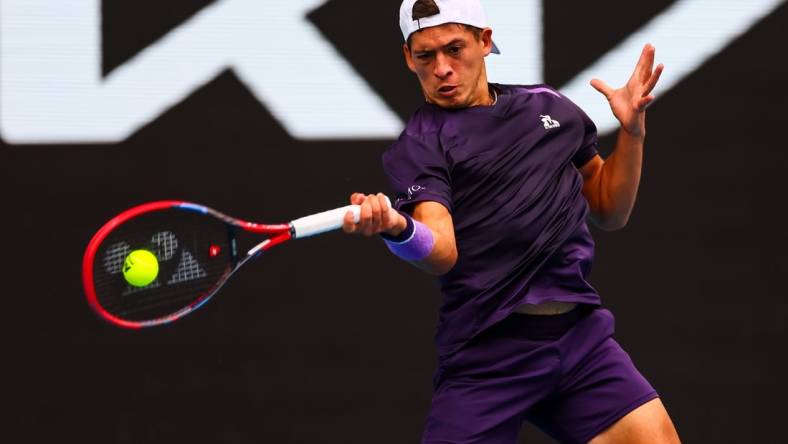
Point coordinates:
[(508, 173)]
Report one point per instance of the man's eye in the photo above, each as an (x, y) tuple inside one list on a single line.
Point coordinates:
[(454, 50), (423, 56)]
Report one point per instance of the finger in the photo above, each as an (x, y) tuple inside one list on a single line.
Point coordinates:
[(652, 82), (357, 199), (651, 54), (384, 205), (348, 223), (384, 209), (602, 87), (645, 62), (365, 219), (387, 218), (365, 216), (376, 213)]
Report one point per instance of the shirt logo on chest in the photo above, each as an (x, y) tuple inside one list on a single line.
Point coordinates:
[(549, 123)]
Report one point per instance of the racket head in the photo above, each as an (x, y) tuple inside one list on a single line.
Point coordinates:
[(195, 250)]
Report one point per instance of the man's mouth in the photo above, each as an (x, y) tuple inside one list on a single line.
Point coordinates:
[(447, 91)]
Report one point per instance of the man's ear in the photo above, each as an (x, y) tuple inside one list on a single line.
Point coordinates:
[(486, 38), (408, 57)]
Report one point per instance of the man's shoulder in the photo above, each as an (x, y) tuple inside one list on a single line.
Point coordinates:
[(426, 120), (421, 136), (526, 97), (422, 126), (539, 89), (418, 132)]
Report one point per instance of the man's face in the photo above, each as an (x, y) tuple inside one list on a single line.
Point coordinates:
[(449, 62)]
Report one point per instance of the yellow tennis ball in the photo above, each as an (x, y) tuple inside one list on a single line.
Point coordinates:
[(140, 268)]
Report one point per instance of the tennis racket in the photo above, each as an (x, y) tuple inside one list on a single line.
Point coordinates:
[(156, 263)]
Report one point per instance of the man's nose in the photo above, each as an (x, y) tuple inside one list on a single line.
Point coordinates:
[(442, 66)]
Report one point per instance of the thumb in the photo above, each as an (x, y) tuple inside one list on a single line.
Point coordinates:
[(602, 87), (392, 215)]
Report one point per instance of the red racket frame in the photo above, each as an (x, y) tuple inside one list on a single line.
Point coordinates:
[(282, 233)]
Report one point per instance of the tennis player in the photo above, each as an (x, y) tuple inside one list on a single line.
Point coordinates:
[(494, 184)]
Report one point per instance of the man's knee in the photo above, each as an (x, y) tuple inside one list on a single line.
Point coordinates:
[(649, 423)]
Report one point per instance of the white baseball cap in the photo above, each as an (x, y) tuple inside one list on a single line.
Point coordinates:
[(465, 12)]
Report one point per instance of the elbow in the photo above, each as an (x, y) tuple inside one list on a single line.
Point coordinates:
[(441, 265), (610, 216), (610, 223), (615, 226), (448, 264)]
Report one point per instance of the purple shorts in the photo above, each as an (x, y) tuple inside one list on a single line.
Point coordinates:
[(565, 374)]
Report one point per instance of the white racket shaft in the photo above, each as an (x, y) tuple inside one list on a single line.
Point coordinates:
[(326, 221)]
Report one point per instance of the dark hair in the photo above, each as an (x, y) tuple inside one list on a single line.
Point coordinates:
[(477, 32), (428, 8), (424, 8)]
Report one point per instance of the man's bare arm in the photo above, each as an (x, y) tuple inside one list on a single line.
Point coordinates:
[(377, 217), (444, 254), (611, 185)]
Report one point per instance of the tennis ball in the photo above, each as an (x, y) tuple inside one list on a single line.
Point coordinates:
[(140, 268)]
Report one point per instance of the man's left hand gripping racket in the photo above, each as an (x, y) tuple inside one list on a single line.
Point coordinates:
[(158, 262)]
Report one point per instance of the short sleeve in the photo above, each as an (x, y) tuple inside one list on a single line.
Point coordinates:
[(589, 148), (417, 171)]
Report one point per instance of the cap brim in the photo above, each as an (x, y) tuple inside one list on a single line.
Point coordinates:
[(495, 49)]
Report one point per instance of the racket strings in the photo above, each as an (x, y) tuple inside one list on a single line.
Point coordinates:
[(153, 307), (147, 300), (194, 255)]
